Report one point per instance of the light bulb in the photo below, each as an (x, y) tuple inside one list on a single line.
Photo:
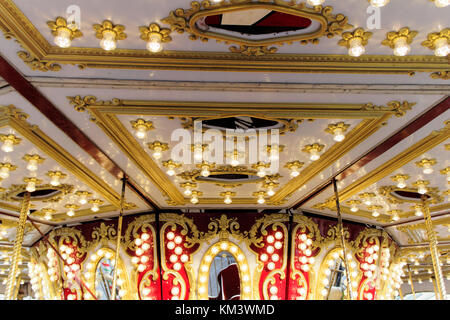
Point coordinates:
[(395, 218), (108, 42), (418, 211), (354, 208), (338, 135), (95, 207), (422, 189), (154, 43), (261, 199), (141, 132), (83, 199), (294, 171), (234, 161), (194, 200), (32, 165), (8, 146), (171, 170), (441, 3), (261, 172), (442, 49), (368, 202), (401, 183), (71, 213), (62, 38), (31, 186), (198, 153), (55, 181), (355, 47), (157, 153), (401, 47), (427, 168), (48, 216), (314, 155), (205, 171), (227, 200), (315, 2), (187, 191), (4, 172), (379, 3), (274, 154), (270, 192), (375, 213)]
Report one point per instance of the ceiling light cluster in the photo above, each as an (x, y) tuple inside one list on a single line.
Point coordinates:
[(227, 196), (33, 161), (294, 167), (9, 141), (158, 148), (401, 180), (400, 41), (314, 150), (171, 166), (141, 127), (355, 41), (426, 165), (337, 130)]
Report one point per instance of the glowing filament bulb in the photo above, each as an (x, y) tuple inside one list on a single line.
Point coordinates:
[(95, 207), (294, 171), (418, 211), (427, 168), (379, 3), (83, 199), (194, 199), (315, 2), (375, 213), (48, 216), (314, 155), (62, 39), (71, 212), (338, 135), (31, 186), (261, 172), (227, 199), (441, 3), (157, 152), (187, 191), (154, 43), (274, 154), (270, 192), (355, 47), (55, 181), (4, 172), (8, 145), (205, 171), (401, 47), (401, 183), (198, 153), (421, 188), (171, 170), (368, 202), (442, 48), (354, 208), (141, 131), (108, 42), (261, 199), (235, 160), (32, 165)]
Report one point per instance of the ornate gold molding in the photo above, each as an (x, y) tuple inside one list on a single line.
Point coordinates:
[(39, 54)]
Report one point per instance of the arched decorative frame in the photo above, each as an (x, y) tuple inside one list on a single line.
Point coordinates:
[(205, 265), (90, 268), (335, 253)]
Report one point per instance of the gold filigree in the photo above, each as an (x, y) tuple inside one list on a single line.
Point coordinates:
[(184, 20), (108, 26), (154, 29), (104, 233), (393, 36), (61, 23), (432, 37), (80, 104), (443, 75), (389, 193), (396, 107), (38, 64)]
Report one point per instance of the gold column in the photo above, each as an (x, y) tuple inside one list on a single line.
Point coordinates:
[(434, 251), (411, 283), (10, 293), (119, 237)]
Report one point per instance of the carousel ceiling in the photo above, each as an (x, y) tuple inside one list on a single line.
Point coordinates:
[(337, 80)]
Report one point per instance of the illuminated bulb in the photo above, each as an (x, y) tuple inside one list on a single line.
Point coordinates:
[(83, 199), (401, 183), (55, 181), (170, 235), (139, 252), (368, 202), (187, 191), (315, 2), (314, 155), (401, 47), (145, 246), (135, 260), (263, 257), (175, 291), (228, 199), (48, 216), (275, 257), (375, 213), (354, 208), (273, 290), (178, 250), (278, 235), (157, 152), (31, 186), (261, 172), (62, 39), (379, 3), (235, 161), (338, 135), (171, 170), (141, 131), (32, 165), (355, 47), (8, 145), (95, 207), (395, 218), (177, 266), (294, 171), (270, 239), (138, 242), (261, 199), (71, 213), (194, 200), (271, 266), (441, 3), (141, 268), (154, 43), (4, 172), (418, 211), (422, 189), (145, 236), (427, 168), (205, 171), (173, 258), (170, 245), (270, 249), (270, 192), (442, 48), (108, 42)]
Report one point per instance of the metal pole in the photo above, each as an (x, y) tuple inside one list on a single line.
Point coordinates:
[(119, 238), (341, 229), (400, 293), (434, 251), (11, 284), (436, 293), (411, 283), (289, 257)]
